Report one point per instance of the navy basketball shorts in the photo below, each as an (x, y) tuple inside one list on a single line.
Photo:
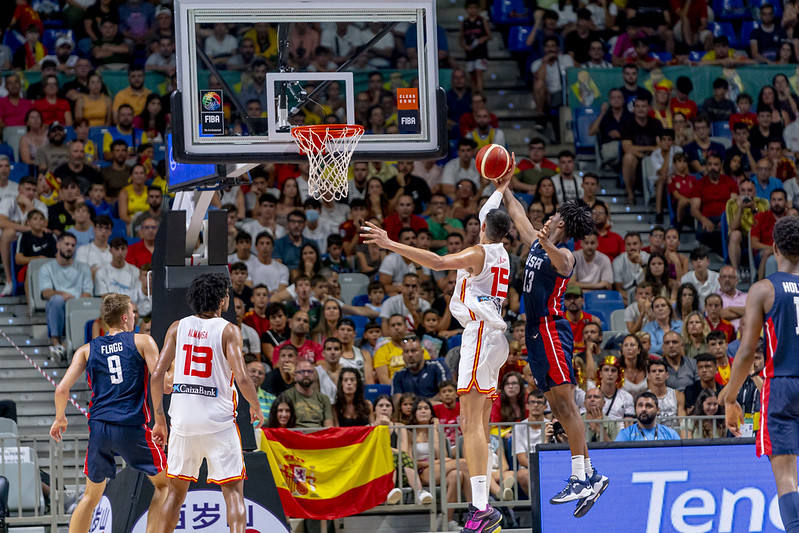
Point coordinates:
[(133, 443), (779, 419), (549, 352)]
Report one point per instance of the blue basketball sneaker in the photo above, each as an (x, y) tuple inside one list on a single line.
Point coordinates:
[(598, 484), (575, 489)]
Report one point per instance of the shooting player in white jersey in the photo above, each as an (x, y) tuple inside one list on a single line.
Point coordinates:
[(481, 289), (206, 351)]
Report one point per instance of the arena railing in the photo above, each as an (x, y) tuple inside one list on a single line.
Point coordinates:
[(37, 465)]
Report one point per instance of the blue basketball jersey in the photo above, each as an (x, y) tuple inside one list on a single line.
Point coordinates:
[(118, 377), (543, 287), (781, 327)]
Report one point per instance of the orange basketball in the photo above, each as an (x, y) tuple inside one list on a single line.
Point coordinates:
[(493, 161)]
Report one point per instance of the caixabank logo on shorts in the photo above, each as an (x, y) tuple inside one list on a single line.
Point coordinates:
[(199, 390)]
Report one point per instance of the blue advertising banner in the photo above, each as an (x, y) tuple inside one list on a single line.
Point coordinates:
[(185, 175), (683, 488)]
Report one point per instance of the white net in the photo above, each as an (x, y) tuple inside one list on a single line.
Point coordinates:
[(329, 149)]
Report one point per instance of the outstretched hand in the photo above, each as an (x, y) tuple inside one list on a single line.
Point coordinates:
[(503, 182), (372, 234)]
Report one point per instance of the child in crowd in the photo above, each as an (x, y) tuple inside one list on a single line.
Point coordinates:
[(475, 35), (428, 330), (680, 185), (662, 166), (449, 410), (97, 201), (745, 113), (256, 317), (34, 244), (238, 284), (371, 336), (376, 294)]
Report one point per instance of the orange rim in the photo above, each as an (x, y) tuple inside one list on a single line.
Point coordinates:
[(323, 133)]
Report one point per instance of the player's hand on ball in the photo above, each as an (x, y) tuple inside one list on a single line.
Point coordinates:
[(256, 415), (502, 183), (372, 234), (58, 428)]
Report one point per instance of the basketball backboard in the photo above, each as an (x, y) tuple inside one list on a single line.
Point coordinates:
[(299, 62)]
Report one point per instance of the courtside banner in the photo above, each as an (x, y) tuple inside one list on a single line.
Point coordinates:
[(670, 486), (331, 473)]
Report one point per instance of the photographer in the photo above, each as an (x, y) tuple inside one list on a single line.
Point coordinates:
[(741, 213)]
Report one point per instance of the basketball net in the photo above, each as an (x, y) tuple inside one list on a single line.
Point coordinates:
[(329, 148)]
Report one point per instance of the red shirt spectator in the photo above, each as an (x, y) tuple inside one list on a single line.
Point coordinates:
[(525, 164), (448, 415), (347, 230), (724, 326), (763, 228), (518, 366), (687, 107), (139, 255), (578, 326), (393, 224), (310, 350), (25, 16), (52, 111), (467, 123), (714, 195), (610, 243), (750, 119), (682, 184), (496, 411), (259, 323), (785, 169), (13, 114)]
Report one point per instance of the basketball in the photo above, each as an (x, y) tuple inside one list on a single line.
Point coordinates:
[(493, 161)]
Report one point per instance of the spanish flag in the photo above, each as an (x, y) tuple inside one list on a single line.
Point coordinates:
[(331, 473)]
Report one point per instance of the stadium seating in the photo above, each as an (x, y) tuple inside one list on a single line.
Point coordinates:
[(360, 324), (584, 143), (11, 136), (721, 129), (78, 311), (517, 39), (35, 300), (728, 10), (617, 322), (8, 426), (352, 285), (510, 12)]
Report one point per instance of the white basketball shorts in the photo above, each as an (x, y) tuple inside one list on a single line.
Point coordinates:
[(222, 451), (484, 350)]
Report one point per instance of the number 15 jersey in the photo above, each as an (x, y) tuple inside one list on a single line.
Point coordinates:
[(203, 397), (480, 297)]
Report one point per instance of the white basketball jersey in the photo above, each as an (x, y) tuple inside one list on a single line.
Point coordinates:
[(203, 397), (480, 297)]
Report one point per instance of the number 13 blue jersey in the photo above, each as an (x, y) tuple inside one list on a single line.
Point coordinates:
[(118, 377)]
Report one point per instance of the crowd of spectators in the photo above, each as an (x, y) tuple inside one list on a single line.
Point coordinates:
[(94, 210)]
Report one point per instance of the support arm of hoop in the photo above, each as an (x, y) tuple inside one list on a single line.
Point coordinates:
[(196, 206)]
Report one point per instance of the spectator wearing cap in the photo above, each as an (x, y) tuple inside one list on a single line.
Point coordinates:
[(77, 169), (164, 25), (64, 59), (573, 304), (31, 53), (14, 107), (135, 94), (110, 51), (55, 152), (646, 426), (660, 104), (53, 108), (718, 107), (124, 131)]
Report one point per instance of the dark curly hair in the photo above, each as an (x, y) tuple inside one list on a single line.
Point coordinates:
[(361, 405), (786, 236), (207, 292), (577, 219)]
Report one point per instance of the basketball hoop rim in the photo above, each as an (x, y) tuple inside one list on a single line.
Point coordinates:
[(327, 131)]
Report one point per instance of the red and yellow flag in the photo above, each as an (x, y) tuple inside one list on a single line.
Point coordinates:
[(331, 473)]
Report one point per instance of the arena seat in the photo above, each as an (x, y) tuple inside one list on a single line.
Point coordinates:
[(371, 392), (509, 12), (617, 322), (584, 143), (517, 39), (78, 311), (8, 426), (35, 300), (352, 285), (360, 324), (11, 136)]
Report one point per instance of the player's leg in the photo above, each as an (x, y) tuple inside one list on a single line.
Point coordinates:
[(160, 490), (784, 468), (82, 515), (233, 492), (170, 511)]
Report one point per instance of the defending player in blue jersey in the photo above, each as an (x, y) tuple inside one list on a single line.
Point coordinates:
[(772, 306), (550, 340), (117, 369)]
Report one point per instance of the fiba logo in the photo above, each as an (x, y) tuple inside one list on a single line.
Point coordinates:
[(212, 101)]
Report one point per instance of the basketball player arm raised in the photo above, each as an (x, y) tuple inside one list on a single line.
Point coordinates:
[(232, 343), (75, 370), (470, 259), (758, 302), (517, 213)]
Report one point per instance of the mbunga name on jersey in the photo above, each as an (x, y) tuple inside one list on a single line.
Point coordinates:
[(111, 348), (200, 390)]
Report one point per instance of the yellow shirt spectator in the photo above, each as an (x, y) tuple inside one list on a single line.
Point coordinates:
[(268, 49), (391, 355), (747, 217), (135, 99)]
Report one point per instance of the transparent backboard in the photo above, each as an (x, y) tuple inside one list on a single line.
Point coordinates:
[(249, 71)]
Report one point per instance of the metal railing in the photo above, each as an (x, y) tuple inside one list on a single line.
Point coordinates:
[(57, 468)]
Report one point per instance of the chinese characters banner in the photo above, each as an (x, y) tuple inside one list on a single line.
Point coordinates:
[(331, 473)]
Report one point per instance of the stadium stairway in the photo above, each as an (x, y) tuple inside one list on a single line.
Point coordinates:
[(23, 384)]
